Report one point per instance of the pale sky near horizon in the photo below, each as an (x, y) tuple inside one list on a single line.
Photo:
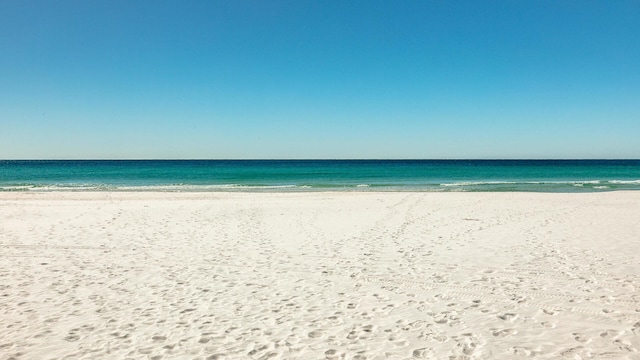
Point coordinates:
[(319, 79)]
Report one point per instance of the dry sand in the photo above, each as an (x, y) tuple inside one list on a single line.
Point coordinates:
[(355, 275)]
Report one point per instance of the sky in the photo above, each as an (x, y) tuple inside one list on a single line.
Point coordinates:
[(132, 79)]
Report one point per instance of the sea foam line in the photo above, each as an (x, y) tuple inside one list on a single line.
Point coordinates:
[(477, 183), (625, 182)]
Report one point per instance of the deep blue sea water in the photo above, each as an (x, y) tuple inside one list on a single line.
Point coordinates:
[(314, 175)]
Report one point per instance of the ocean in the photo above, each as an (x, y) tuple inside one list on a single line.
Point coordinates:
[(320, 175)]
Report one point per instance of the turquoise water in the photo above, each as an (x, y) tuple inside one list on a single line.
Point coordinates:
[(314, 175)]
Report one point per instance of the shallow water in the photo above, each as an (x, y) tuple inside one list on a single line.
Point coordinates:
[(313, 175)]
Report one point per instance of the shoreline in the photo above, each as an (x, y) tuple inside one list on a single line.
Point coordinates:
[(314, 191), (326, 274), (204, 195)]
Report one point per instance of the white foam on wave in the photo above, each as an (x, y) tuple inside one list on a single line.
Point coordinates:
[(362, 185), (168, 187), (480, 183), (623, 182), (185, 187), (177, 187), (15, 187), (273, 186), (475, 183), (66, 187), (572, 182)]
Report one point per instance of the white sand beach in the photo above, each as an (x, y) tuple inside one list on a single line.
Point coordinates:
[(319, 275)]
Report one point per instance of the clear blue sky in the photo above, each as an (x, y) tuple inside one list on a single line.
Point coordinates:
[(319, 79)]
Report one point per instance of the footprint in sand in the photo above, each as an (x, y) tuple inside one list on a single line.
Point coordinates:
[(611, 334), (503, 332), (510, 317), (625, 345), (216, 357), (424, 353), (447, 317), (609, 311), (466, 346), (432, 336), (523, 351), (72, 337), (581, 338), (549, 324), (332, 354), (416, 325), (573, 353), (369, 328), (363, 332), (335, 320), (204, 340)]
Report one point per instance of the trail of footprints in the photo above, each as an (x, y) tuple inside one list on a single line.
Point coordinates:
[(504, 295)]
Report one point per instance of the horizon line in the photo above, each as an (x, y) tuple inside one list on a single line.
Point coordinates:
[(324, 159)]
